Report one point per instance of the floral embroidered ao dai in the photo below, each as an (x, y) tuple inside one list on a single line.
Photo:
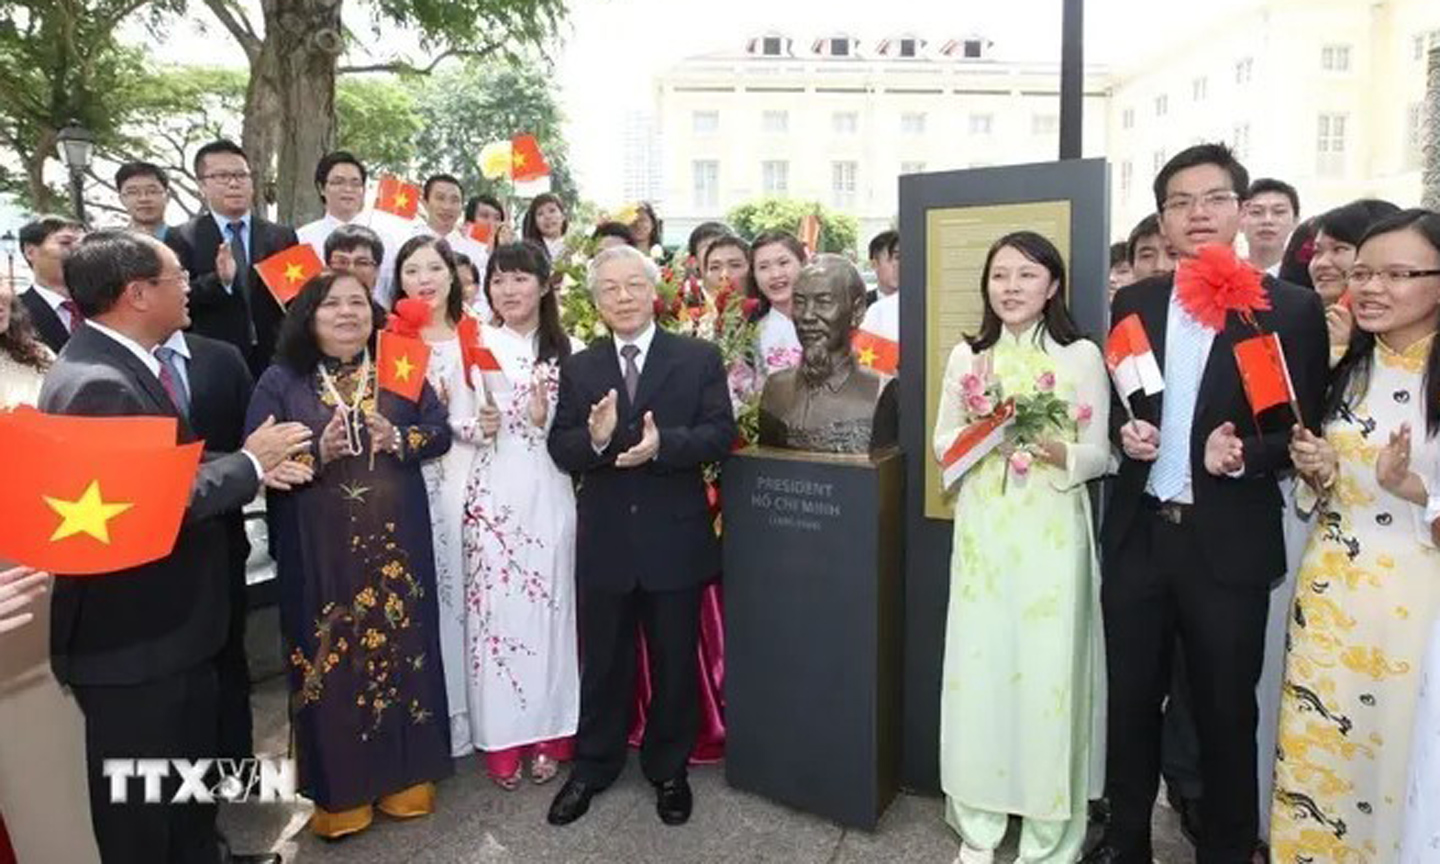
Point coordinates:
[(357, 595), (1367, 597)]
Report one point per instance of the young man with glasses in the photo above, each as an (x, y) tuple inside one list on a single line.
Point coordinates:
[(228, 300), (1192, 537), (1272, 207), (144, 191)]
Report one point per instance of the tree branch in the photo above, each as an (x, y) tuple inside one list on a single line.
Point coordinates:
[(405, 67), (233, 18)]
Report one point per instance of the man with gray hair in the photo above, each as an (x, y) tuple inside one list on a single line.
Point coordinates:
[(639, 415)]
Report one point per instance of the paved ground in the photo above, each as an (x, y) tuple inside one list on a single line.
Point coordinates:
[(478, 822)]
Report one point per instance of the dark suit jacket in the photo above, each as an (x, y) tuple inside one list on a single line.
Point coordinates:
[(47, 323), (650, 525), (1238, 519), (219, 314), (160, 618), (220, 388)]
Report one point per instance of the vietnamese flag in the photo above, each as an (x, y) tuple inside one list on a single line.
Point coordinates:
[(401, 363), (92, 495), (481, 232), (874, 351), (810, 233), (1266, 377), (397, 197), (285, 273), (527, 163)]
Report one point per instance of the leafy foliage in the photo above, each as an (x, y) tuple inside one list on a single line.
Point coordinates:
[(378, 122), (838, 231)]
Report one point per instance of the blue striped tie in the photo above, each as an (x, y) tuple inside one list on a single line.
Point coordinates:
[(1184, 350)]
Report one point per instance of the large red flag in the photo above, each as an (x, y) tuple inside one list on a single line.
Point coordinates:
[(87, 495), (397, 197), (286, 272)]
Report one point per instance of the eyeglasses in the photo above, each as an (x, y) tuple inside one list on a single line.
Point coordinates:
[(182, 276), (1361, 275), (227, 177), (631, 289), (341, 262), (1209, 201), (142, 192), (344, 183)]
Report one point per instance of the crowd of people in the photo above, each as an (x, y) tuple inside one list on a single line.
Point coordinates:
[(520, 563)]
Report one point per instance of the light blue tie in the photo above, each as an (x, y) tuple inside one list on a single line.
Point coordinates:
[(1184, 352)]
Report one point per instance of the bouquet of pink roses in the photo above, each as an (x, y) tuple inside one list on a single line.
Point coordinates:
[(1038, 416)]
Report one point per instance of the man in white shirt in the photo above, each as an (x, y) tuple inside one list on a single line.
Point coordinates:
[(444, 205), (45, 243), (340, 180), (1271, 210), (883, 316)]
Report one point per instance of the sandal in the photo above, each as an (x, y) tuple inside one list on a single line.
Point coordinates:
[(509, 784), (543, 768)]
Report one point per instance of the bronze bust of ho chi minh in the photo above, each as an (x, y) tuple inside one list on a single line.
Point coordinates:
[(828, 403)]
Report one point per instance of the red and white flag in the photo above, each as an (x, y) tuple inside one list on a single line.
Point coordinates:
[(1131, 360), (474, 355), (1265, 374), (975, 441)]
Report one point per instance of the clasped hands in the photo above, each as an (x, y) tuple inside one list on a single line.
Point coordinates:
[(335, 439), (1224, 450), (602, 423)]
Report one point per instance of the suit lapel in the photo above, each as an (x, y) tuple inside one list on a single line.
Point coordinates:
[(657, 369), (610, 377), (143, 377), (48, 324), (1154, 310)]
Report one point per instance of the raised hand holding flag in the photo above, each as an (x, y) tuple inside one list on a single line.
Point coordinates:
[(1131, 361)]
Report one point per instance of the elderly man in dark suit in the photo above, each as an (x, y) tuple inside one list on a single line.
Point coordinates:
[(45, 242), (1192, 538), (639, 415), (138, 647), (220, 247)]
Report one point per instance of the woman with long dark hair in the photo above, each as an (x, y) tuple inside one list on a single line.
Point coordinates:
[(426, 270), (24, 359), (355, 564), (546, 223), (1337, 238), (520, 658), (648, 231), (776, 258), (1021, 699), (1369, 586)]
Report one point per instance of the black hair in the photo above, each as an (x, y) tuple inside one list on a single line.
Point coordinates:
[(1349, 223), (702, 232), (328, 162), (1270, 184), (39, 229), (1202, 154), (483, 198), (1147, 227), (439, 178), (1117, 254), (886, 242), (657, 228), (1351, 376), (463, 262), (101, 265), (530, 227), (19, 340), (613, 229), (527, 256), (731, 241), (455, 300), (770, 238), (1295, 262), (296, 346), (348, 238), (131, 170), (223, 145), (1055, 316)]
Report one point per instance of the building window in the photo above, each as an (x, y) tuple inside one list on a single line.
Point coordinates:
[(912, 167), (839, 47), (1199, 89), (775, 122), (706, 174), (1127, 179), (842, 185), (1243, 70), (1335, 58), (1044, 124), (705, 122), (1330, 145), (844, 122), (912, 123), (770, 46), (1162, 105), (1240, 139), (1414, 125), (1157, 161), (981, 124), (973, 48), (1127, 118), (775, 177), (908, 48), (1420, 43)]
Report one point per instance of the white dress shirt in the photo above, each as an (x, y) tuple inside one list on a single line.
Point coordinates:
[(316, 233), (883, 317), (1173, 325), (642, 342), (54, 299)]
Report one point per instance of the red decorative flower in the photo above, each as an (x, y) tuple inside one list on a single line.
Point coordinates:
[(1215, 283), (749, 306), (409, 318), (659, 306)]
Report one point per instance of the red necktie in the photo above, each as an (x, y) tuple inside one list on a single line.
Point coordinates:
[(172, 387), (73, 310)]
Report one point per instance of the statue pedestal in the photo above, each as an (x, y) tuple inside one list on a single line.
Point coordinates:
[(813, 630)]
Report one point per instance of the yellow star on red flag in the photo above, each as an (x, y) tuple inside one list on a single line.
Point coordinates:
[(403, 368), (89, 514)]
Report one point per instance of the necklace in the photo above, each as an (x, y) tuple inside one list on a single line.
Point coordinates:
[(351, 413)]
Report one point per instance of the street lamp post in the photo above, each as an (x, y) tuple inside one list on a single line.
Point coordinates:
[(1072, 78), (76, 145), (8, 243)]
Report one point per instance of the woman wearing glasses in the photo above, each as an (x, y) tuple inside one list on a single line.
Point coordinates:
[(1337, 238), (1369, 584)]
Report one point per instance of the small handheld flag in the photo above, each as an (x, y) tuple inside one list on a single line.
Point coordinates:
[(874, 351), (480, 232), (92, 495), (397, 197), (285, 273), (402, 357), (527, 163), (1266, 376), (974, 442), (810, 233), (474, 355), (1131, 360)]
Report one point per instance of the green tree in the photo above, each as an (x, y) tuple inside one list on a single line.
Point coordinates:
[(838, 231), (378, 122), (465, 108)]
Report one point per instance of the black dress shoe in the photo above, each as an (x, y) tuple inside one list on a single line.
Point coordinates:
[(571, 802), (1190, 824), (257, 858), (673, 801)]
